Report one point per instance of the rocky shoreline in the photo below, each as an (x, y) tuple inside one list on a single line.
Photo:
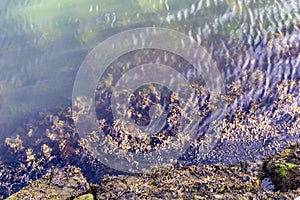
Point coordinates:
[(245, 180)]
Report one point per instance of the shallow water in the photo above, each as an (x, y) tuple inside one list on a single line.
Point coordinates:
[(43, 43)]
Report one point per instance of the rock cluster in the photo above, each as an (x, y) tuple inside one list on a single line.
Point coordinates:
[(239, 181)]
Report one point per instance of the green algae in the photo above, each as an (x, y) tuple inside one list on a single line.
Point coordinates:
[(282, 169), (85, 197)]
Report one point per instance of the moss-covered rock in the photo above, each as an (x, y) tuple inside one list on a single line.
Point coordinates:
[(284, 169)]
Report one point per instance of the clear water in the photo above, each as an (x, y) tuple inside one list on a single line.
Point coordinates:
[(43, 43)]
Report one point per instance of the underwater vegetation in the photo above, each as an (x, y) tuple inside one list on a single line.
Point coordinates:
[(43, 43), (260, 121), (256, 46)]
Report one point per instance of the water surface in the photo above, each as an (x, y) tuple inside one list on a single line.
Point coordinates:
[(43, 43)]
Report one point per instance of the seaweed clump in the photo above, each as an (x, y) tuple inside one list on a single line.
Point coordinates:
[(239, 181), (58, 184)]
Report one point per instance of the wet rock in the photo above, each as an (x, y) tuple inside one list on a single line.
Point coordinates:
[(179, 182), (66, 183), (239, 181), (284, 169)]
